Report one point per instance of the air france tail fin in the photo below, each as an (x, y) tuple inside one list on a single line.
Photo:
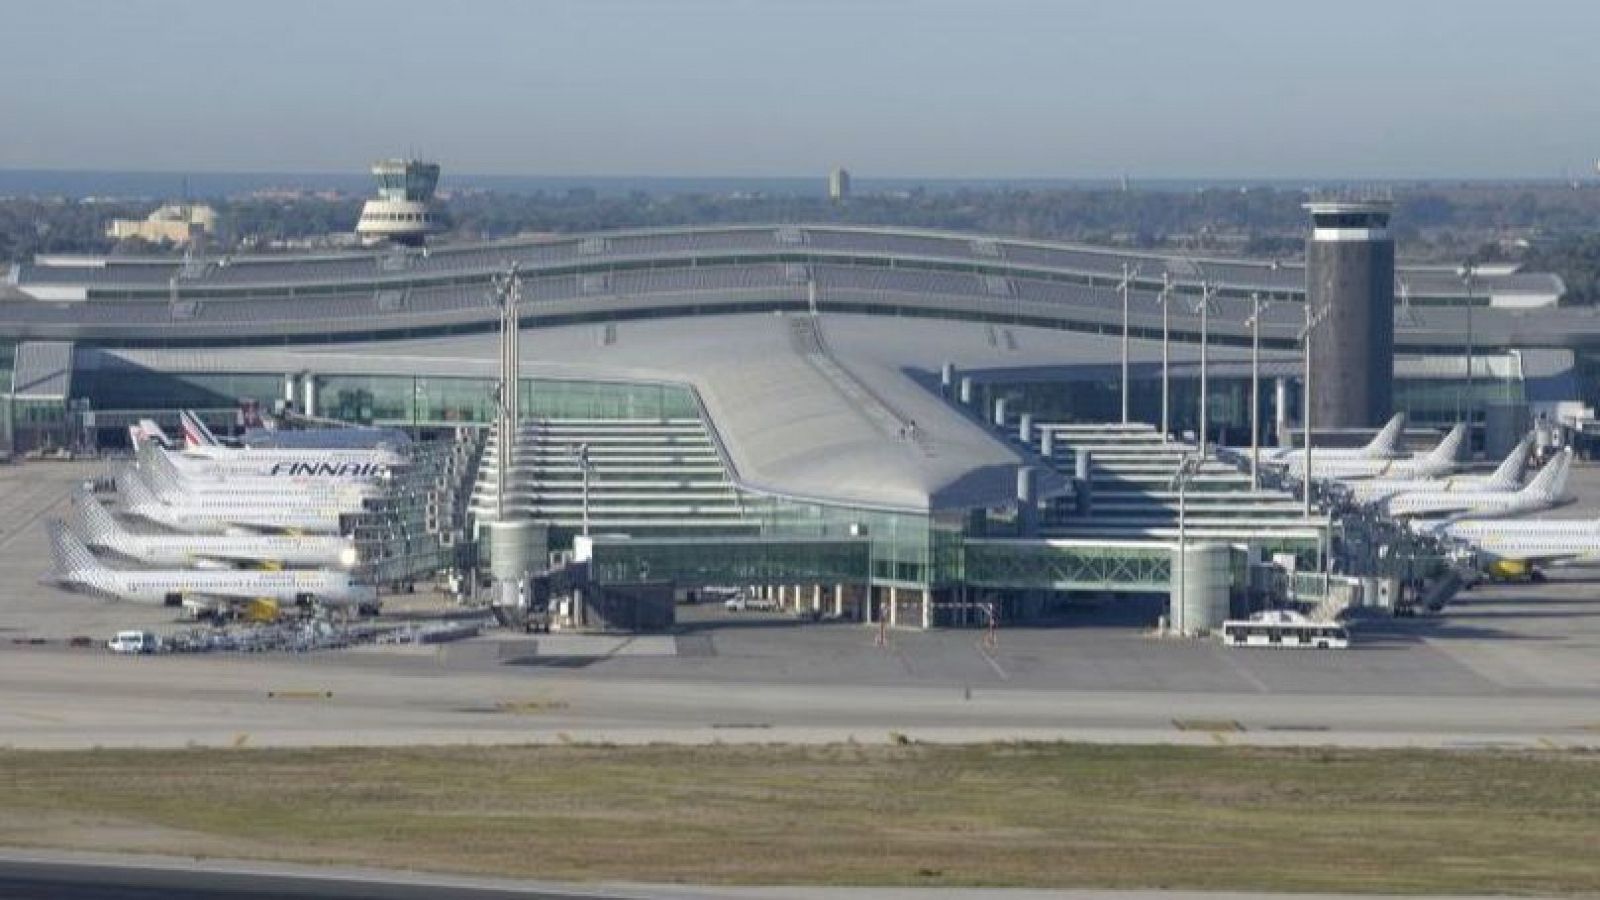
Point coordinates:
[(1551, 481), (1387, 441), (70, 555), (1508, 475), (1448, 451), (195, 432)]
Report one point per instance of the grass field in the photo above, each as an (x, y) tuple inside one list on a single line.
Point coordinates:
[(1038, 815)]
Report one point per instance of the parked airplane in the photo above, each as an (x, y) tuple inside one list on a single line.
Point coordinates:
[(1384, 445), (1506, 477), (101, 531), (163, 473), (201, 448), (1518, 549), (223, 515), (1543, 492), (1441, 460), (205, 592)]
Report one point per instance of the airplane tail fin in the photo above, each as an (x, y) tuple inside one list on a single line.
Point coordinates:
[(94, 521), (1508, 475), (70, 555), (1387, 441), (1448, 451), (1551, 481), (160, 474), (195, 432), (134, 491), (154, 432)]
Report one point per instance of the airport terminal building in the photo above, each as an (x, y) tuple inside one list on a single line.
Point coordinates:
[(882, 417)]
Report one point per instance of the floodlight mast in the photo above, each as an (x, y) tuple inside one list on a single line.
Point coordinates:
[(1205, 359), (1166, 355), (508, 295), (1126, 287)]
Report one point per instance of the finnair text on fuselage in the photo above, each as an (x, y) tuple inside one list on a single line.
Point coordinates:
[(328, 469)]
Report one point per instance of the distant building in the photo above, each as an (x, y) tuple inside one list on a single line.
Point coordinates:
[(404, 210), (839, 184), (175, 223)]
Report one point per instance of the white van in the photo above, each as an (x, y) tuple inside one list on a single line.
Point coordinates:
[(134, 642)]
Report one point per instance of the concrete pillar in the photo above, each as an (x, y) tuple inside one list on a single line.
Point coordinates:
[(288, 387), (894, 606), (1280, 409), (1025, 428), (1027, 500), (966, 390), (308, 389), (947, 378), (927, 608), (816, 598), (1047, 443), (1000, 412), (1082, 481), (838, 601)]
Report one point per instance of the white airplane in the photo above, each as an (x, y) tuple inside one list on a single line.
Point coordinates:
[(1543, 492), (164, 475), (1506, 477), (201, 449), (205, 592), (1384, 445), (223, 515), (1515, 550), (101, 531), (1441, 460)]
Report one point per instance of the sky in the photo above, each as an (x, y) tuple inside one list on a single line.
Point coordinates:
[(1231, 89)]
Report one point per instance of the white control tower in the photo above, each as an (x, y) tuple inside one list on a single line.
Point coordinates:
[(404, 211)]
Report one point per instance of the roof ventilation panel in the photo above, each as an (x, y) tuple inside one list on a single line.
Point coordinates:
[(789, 234), (592, 246), (998, 286)]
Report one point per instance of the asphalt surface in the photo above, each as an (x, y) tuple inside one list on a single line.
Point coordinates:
[(1515, 665), (93, 876), (82, 881)]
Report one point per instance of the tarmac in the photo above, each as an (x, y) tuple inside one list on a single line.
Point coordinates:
[(1504, 666), (105, 876)]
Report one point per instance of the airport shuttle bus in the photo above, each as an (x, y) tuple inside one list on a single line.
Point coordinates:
[(1280, 629)]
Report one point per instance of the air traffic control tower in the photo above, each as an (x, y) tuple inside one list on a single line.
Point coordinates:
[(403, 211), (1350, 287)]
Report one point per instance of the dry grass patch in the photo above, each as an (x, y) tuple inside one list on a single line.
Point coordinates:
[(1010, 814)]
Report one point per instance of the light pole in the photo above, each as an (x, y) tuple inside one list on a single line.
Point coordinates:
[(1255, 390), (1166, 354), (1205, 368), (580, 453), (1468, 273), (1126, 287)]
